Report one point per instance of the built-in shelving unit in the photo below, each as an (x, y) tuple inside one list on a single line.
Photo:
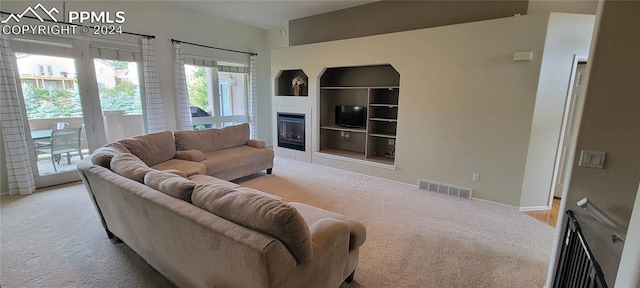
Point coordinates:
[(377, 89), (284, 87)]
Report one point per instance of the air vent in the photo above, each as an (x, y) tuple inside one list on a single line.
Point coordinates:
[(444, 189)]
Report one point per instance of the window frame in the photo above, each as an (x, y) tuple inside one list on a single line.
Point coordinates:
[(217, 120)]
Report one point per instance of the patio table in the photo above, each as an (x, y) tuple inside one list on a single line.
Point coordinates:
[(41, 134)]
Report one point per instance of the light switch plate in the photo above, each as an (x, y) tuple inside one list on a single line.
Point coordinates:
[(592, 159)]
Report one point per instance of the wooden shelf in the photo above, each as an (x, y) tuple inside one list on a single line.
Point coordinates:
[(355, 157), (383, 135), (382, 160), (344, 153), (340, 128), (384, 105), (384, 119)]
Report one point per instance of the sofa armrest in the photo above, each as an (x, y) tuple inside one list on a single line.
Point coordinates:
[(255, 143), (328, 234), (190, 155)]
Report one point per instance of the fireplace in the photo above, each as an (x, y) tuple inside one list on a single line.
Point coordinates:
[(291, 131)]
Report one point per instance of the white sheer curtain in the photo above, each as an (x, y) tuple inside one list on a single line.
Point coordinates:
[(18, 167), (253, 97), (154, 108), (184, 110)]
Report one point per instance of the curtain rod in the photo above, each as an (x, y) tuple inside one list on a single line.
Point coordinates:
[(212, 47), (74, 24)]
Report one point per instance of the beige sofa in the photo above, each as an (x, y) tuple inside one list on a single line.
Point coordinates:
[(202, 231), (225, 153)]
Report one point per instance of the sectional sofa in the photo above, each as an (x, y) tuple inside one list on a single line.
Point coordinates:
[(166, 196)]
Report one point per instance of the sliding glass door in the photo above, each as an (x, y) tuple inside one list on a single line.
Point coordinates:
[(54, 111), (77, 96)]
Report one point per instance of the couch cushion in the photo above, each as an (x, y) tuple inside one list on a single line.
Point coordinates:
[(208, 140), (235, 157), (103, 155), (187, 167), (129, 166), (258, 212), (152, 148), (312, 214), (206, 179), (170, 184)]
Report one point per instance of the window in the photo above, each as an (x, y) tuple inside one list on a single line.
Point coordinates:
[(49, 70), (41, 70), (224, 106)]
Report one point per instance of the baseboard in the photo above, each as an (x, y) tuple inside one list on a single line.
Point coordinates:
[(408, 184), (494, 202), (534, 208)]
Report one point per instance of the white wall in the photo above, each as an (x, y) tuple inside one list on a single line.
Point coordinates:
[(567, 35), (165, 22), (465, 106), (278, 38)]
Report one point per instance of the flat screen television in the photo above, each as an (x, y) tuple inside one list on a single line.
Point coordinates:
[(351, 116)]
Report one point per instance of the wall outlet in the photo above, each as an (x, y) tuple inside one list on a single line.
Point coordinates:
[(475, 177), (346, 135), (342, 134), (391, 142)]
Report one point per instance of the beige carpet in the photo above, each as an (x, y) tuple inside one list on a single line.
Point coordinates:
[(415, 238)]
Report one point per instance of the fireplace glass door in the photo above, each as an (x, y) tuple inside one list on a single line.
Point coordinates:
[(291, 131)]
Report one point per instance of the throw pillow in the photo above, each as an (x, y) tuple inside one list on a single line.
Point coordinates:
[(170, 184), (130, 166), (262, 213), (103, 155), (190, 155)]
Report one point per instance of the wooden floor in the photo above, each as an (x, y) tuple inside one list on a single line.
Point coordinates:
[(549, 216)]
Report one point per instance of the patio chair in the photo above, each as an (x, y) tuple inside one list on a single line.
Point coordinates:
[(44, 144), (63, 141), (59, 125)]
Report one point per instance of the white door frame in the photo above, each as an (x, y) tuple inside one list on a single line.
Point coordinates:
[(577, 112)]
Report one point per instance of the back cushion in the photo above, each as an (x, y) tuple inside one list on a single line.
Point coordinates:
[(262, 213), (170, 184), (130, 166), (103, 155), (209, 140), (152, 148)]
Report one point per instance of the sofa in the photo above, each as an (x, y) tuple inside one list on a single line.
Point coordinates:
[(197, 229), (225, 153)]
